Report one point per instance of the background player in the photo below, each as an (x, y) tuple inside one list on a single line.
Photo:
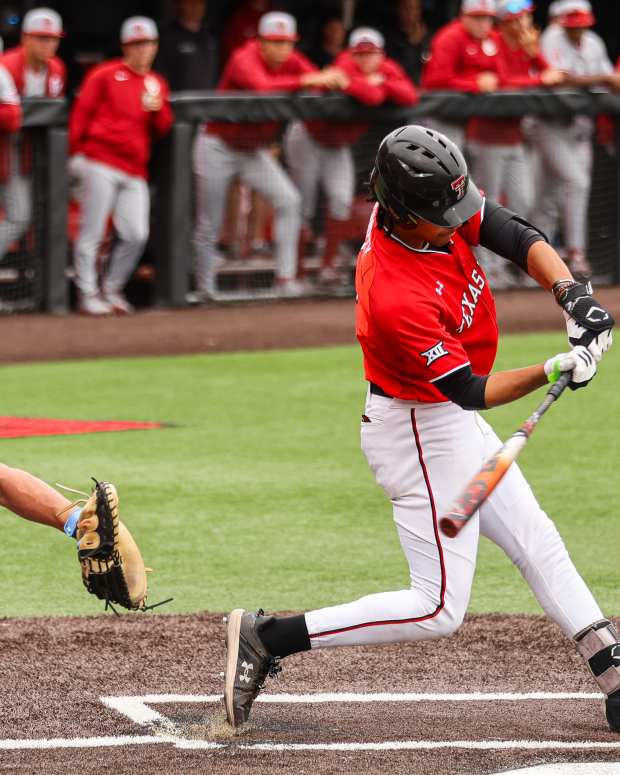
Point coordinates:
[(31, 69), (427, 327), (319, 152), (225, 151), (565, 147), (121, 106), (463, 57)]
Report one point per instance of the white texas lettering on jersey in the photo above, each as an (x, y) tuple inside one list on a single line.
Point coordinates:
[(469, 302), (434, 353)]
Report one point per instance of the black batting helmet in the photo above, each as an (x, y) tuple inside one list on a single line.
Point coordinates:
[(420, 174)]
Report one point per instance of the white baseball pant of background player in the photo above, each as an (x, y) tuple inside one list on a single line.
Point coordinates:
[(103, 191), (501, 170), (566, 156), (311, 165), (423, 455), (16, 200), (215, 166)]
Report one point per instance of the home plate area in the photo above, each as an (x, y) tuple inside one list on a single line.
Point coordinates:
[(505, 694)]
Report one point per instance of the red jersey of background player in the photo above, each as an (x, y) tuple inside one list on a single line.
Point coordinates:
[(518, 70), (108, 123), (457, 59), (423, 314), (247, 71), (396, 87)]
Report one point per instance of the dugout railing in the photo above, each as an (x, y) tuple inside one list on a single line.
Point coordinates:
[(41, 268)]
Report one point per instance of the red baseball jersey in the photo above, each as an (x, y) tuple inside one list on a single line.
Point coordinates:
[(396, 86), (457, 59), (423, 314), (109, 123), (517, 70), (247, 71)]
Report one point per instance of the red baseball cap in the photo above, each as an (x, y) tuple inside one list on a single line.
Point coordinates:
[(278, 26), (578, 20)]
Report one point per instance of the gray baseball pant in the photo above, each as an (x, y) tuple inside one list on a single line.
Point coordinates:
[(215, 166), (502, 169), (16, 200), (104, 191), (566, 154), (311, 165)]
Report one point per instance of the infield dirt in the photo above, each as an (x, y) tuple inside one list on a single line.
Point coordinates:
[(55, 670)]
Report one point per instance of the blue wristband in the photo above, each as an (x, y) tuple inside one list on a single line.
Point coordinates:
[(70, 526)]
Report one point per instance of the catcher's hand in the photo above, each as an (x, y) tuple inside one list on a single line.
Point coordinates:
[(112, 566)]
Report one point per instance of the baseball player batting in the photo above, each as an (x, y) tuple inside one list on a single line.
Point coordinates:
[(427, 327)]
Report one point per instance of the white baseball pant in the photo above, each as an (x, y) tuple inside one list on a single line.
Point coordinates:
[(423, 455), (311, 165), (215, 166), (16, 201), (501, 170), (566, 153), (103, 191)]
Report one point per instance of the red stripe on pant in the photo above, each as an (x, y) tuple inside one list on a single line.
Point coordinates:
[(442, 593)]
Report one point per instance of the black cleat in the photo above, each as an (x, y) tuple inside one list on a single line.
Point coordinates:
[(612, 711), (247, 664)]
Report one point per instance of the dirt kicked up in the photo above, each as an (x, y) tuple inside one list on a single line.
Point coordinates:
[(140, 694)]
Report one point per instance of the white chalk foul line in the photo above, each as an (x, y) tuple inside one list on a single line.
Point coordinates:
[(131, 703), (392, 745), (137, 709)]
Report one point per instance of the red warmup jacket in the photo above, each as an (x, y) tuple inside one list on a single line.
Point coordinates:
[(396, 87), (108, 123), (14, 62), (247, 71), (517, 70)]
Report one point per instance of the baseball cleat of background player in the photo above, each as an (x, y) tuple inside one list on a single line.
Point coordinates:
[(248, 664)]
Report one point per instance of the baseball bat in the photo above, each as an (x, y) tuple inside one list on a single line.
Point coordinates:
[(494, 468)]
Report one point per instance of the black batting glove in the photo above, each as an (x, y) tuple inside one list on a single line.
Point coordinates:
[(588, 323)]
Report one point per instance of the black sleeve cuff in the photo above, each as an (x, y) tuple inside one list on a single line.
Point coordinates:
[(507, 234), (464, 388)]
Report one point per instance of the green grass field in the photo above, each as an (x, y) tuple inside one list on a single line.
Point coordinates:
[(260, 495)]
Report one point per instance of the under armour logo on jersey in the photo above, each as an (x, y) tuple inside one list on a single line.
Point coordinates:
[(439, 288), (458, 186), (245, 676), (121, 75), (434, 353)]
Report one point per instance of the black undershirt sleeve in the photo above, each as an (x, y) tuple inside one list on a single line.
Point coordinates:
[(464, 388), (507, 234)]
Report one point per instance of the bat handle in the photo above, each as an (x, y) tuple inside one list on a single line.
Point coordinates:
[(560, 385)]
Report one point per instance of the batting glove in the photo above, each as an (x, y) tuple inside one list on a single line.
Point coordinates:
[(579, 360), (588, 323)]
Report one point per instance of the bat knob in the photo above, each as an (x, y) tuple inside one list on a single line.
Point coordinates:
[(449, 527)]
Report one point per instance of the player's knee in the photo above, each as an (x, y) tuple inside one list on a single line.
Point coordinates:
[(288, 201), (448, 620)]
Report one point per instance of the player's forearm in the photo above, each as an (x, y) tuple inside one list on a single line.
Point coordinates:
[(545, 265), (505, 386)]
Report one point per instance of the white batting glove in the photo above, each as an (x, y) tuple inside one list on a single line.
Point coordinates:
[(597, 344), (579, 360)]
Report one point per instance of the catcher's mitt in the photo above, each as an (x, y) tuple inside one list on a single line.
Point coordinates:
[(112, 566)]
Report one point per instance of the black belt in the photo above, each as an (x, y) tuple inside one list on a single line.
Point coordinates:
[(377, 391)]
